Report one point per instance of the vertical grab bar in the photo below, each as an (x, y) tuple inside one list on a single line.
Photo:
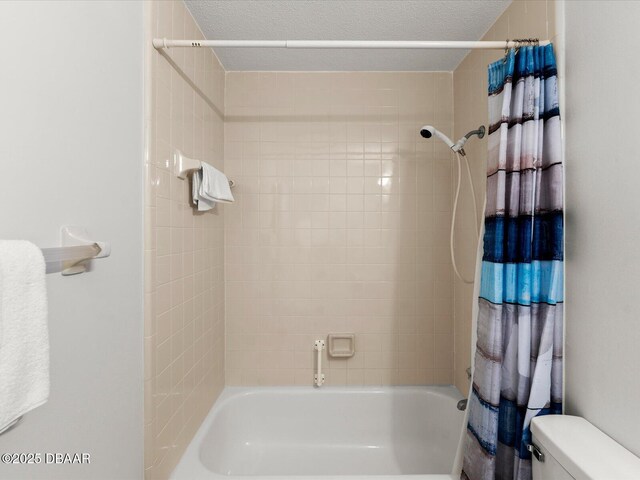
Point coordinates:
[(319, 376)]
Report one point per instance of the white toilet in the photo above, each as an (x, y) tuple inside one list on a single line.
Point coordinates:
[(566, 447)]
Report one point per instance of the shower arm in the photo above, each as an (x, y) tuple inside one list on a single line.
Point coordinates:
[(458, 147), (479, 132)]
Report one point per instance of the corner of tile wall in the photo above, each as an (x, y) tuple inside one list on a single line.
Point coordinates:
[(184, 249)]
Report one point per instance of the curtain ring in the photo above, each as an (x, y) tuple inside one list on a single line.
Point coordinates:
[(506, 51)]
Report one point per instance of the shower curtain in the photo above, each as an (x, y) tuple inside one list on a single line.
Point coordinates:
[(518, 358)]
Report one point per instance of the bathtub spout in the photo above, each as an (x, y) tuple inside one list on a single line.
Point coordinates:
[(462, 404)]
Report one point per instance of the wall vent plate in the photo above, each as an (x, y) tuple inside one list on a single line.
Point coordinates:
[(341, 345)]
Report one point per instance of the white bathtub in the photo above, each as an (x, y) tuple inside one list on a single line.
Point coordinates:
[(302, 432)]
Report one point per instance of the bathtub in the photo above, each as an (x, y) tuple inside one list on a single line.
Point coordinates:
[(330, 432)]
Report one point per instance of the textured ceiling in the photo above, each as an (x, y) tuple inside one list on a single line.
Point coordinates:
[(343, 20)]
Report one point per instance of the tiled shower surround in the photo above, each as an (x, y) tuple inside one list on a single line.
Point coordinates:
[(341, 224), (184, 251)]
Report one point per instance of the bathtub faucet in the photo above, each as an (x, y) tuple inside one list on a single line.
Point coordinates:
[(462, 404)]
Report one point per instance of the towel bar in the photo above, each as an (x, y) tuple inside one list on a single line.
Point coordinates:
[(182, 165), (77, 249), (69, 254)]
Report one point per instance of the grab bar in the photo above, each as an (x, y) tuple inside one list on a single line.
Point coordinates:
[(319, 376)]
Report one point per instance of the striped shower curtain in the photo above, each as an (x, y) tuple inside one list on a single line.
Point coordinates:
[(518, 359)]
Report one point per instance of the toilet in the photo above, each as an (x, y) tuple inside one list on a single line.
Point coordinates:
[(565, 447)]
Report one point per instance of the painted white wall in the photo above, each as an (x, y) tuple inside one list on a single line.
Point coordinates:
[(71, 133), (603, 216)]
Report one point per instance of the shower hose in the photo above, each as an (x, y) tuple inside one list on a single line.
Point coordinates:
[(454, 213)]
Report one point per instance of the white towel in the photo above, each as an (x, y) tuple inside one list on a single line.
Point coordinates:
[(202, 204), (215, 185), (210, 186), (24, 338)]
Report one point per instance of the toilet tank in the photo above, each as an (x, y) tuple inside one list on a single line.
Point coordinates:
[(572, 448)]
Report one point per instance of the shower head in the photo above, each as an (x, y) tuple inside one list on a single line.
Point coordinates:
[(428, 131)]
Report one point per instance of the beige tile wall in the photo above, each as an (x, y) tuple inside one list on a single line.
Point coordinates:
[(522, 19), (340, 225), (184, 251)]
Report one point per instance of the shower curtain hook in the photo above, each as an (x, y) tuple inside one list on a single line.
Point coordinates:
[(519, 44)]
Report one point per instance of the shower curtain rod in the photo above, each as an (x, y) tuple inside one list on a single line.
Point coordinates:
[(160, 43)]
